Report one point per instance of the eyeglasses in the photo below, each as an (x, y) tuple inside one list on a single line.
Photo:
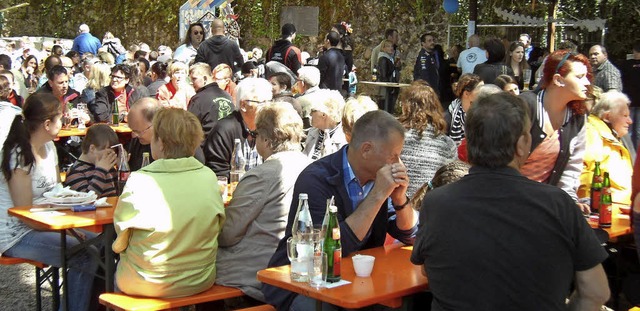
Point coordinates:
[(120, 78), (253, 134), (198, 32), (142, 132), (564, 60), (257, 102)]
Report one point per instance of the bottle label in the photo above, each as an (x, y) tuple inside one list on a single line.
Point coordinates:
[(596, 196), (124, 175), (337, 259), (335, 233), (605, 215)]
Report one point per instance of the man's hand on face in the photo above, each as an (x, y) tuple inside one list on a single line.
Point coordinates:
[(392, 180)]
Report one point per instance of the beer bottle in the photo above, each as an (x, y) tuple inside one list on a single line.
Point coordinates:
[(374, 75), (115, 113), (123, 170), (332, 246), (596, 189), (605, 203)]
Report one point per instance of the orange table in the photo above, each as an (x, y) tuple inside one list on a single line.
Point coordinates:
[(393, 277), (620, 224), (74, 131), (99, 220)]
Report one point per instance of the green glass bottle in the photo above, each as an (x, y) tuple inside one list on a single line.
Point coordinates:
[(596, 189), (605, 203), (115, 113), (332, 246)]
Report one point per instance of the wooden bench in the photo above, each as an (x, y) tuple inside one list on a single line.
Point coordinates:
[(119, 301), (43, 274)]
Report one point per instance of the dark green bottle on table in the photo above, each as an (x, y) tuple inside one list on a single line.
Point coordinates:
[(115, 114), (332, 246), (605, 203), (596, 189)]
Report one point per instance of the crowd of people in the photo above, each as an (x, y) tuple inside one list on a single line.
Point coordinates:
[(531, 126)]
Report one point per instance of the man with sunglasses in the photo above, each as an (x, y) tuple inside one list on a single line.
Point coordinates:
[(251, 94)]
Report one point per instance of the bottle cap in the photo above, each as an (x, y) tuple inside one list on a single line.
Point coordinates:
[(303, 196), (333, 209), (145, 154), (237, 140)]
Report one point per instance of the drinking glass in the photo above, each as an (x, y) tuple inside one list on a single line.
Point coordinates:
[(300, 253), (318, 270), (222, 183), (526, 76)]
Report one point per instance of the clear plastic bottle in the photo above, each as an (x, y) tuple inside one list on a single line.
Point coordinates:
[(302, 235), (238, 163)]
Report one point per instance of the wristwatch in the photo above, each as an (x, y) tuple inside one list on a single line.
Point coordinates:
[(400, 207)]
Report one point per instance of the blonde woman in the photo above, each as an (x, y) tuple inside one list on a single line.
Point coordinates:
[(98, 78), (353, 110), (178, 92)]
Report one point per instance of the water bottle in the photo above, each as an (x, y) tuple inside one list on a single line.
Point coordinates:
[(238, 163), (302, 235)]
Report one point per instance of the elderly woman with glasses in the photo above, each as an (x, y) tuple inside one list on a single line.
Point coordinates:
[(117, 92), (177, 92), (257, 214), (326, 135), (168, 218), (609, 120), (252, 93), (558, 135)]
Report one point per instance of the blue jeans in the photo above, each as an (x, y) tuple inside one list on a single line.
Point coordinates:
[(44, 246)]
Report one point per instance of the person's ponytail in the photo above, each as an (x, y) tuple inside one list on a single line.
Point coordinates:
[(18, 139)]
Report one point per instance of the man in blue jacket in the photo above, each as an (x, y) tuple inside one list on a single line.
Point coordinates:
[(369, 184), (85, 42)]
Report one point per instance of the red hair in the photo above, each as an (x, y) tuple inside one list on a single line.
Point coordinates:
[(551, 68)]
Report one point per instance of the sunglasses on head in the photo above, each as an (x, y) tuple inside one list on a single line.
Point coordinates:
[(564, 60)]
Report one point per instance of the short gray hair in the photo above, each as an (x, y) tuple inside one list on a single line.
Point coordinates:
[(281, 125), (310, 75), (250, 87), (375, 126), (608, 101), (330, 102)]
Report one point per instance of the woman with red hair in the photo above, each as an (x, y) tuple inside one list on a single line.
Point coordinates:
[(558, 137)]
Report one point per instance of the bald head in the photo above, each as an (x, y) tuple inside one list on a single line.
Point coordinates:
[(217, 27), (140, 117), (474, 41), (84, 28)]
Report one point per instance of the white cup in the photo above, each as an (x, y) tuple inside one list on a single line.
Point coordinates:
[(363, 265)]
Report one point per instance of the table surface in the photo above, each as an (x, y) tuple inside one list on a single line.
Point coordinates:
[(66, 219), (620, 224), (393, 277), (74, 131)]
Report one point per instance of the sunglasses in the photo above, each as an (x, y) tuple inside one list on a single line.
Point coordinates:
[(564, 60)]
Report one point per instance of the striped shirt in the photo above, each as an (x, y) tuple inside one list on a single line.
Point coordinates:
[(456, 132), (85, 177)]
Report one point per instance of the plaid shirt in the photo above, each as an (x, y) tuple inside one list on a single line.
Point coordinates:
[(608, 77), (251, 155)]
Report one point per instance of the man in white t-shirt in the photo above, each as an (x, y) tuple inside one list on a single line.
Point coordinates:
[(472, 56)]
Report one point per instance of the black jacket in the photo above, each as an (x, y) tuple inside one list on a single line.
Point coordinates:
[(219, 144), (331, 66), (277, 53), (219, 49), (210, 104), (102, 106), (72, 95), (427, 68)]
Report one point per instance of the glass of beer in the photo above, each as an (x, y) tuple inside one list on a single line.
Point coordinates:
[(526, 76)]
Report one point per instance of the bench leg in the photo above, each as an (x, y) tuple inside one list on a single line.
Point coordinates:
[(39, 277)]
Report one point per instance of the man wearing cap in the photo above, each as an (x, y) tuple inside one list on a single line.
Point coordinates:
[(283, 50), (85, 41)]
